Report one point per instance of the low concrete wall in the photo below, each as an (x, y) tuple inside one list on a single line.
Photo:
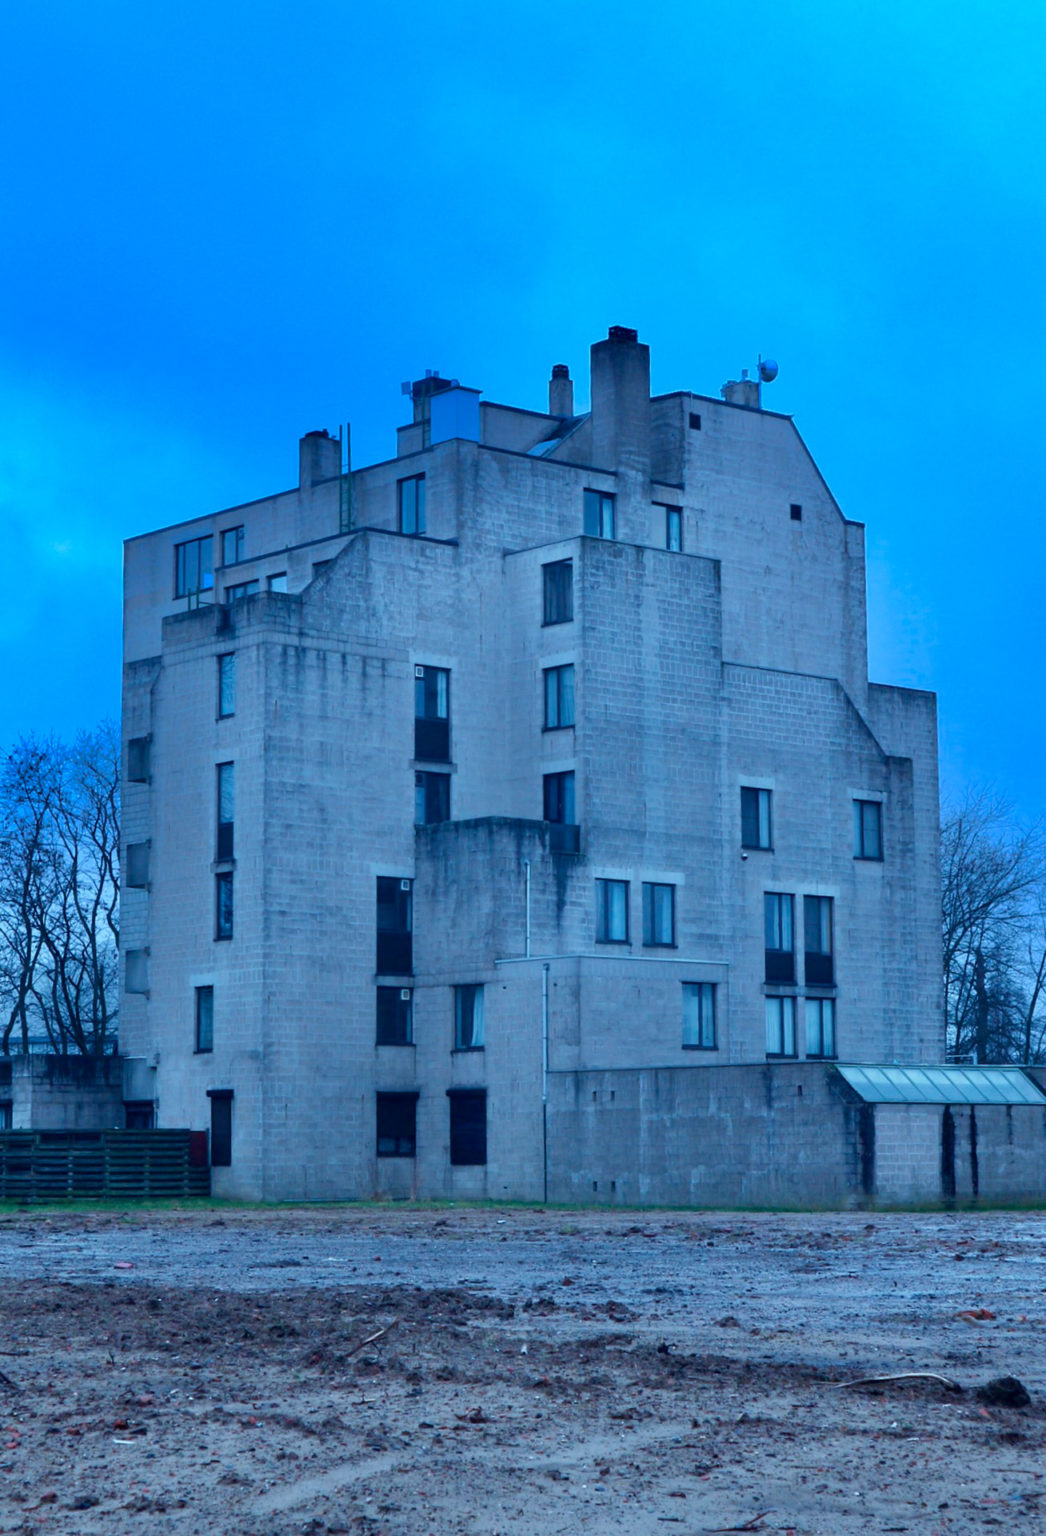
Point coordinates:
[(66, 1093), (1000, 1152), (775, 1135)]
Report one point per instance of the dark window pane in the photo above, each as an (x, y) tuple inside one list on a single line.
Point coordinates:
[(394, 923), (223, 906), (559, 797), (137, 865), (755, 818), (468, 1018), (412, 505), (396, 1116), (221, 1130), (205, 1018), (558, 592), (138, 759), (868, 833), (395, 1025), (817, 938), (468, 1126), (431, 798)]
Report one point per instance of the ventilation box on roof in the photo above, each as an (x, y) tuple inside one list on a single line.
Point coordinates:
[(454, 413)]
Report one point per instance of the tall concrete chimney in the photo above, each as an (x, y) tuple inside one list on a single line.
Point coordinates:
[(621, 402), (560, 391), (319, 458)]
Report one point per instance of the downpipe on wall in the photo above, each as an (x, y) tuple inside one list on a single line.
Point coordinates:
[(544, 1077)]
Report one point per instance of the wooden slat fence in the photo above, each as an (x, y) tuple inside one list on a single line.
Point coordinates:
[(128, 1165)]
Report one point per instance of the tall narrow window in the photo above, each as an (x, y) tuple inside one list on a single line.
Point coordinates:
[(136, 865), (431, 798), (221, 1127), (820, 1026), (204, 1019), (868, 829), (780, 1026), (599, 514), (396, 1116), (139, 759), (226, 685), (395, 953), (223, 905), (779, 922), (817, 941), (468, 1126), (468, 1018), (756, 824), (611, 911), (560, 810), (673, 527), (193, 566), (559, 697), (412, 504), (659, 914), (395, 1016), (232, 545), (699, 1031), (136, 970), (557, 589), (432, 715), (226, 809)]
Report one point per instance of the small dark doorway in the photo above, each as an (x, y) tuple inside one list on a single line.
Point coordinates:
[(947, 1155)]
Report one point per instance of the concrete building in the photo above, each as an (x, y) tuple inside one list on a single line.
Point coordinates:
[(487, 805)]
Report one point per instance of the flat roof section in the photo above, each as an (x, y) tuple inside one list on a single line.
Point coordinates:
[(942, 1085)]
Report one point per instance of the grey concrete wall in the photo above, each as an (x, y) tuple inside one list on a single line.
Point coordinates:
[(60, 1093)]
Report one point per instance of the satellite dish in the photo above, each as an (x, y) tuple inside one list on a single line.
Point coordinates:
[(767, 370)]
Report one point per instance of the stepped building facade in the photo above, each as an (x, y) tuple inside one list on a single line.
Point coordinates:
[(515, 818)]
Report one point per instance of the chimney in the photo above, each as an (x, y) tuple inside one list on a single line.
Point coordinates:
[(560, 391), (319, 458), (743, 391), (621, 402)]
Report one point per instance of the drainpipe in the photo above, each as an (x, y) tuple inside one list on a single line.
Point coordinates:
[(544, 1076), (526, 879)]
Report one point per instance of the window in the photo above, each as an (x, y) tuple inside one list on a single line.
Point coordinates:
[(395, 955), (138, 1114), (6, 1114), (557, 586), (277, 582), (136, 972), (412, 504), (136, 865), (139, 756), (431, 798), (396, 1124), (611, 911), (695, 422), (817, 941), (240, 589), (559, 697), (468, 1126), (223, 905), (221, 1127), (226, 810), (395, 1016), (699, 1016), (599, 514), (204, 1019), (673, 527), (820, 1026), (193, 566), (795, 511), (659, 914), (780, 1026), (232, 545), (432, 716), (779, 915), (756, 825), (868, 829), (560, 811), (226, 685), (468, 1018)]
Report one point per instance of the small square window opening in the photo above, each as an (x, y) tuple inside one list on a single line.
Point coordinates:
[(796, 512)]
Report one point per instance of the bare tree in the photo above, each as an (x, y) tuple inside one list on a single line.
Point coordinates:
[(993, 898), (59, 893)]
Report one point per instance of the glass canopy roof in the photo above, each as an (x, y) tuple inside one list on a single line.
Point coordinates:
[(943, 1085)]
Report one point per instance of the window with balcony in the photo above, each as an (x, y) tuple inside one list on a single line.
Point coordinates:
[(779, 924), (395, 952), (193, 566), (432, 715)]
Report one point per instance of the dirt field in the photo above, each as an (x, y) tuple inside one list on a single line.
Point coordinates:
[(481, 1372)]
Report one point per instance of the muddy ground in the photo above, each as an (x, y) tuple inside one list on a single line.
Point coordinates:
[(479, 1371)]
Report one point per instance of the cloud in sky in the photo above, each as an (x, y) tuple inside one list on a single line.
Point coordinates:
[(229, 224)]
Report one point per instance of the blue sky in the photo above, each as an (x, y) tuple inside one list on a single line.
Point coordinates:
[(226, 224)]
